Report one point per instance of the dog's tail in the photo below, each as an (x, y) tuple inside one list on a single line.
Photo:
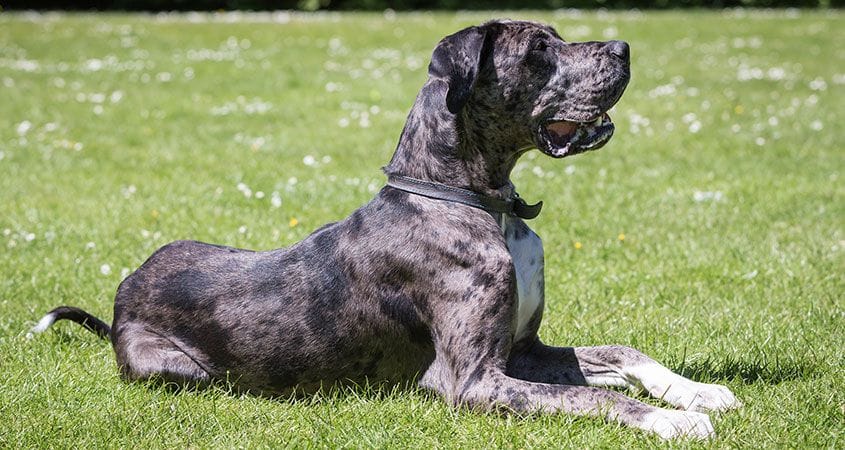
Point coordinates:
[(77, 315)]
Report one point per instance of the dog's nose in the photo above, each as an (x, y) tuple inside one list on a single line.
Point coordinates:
[(619, 49)]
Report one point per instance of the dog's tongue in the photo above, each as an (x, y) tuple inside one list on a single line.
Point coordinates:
[(562, 128)]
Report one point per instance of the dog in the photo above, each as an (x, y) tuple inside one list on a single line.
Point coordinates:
[(437, 280)]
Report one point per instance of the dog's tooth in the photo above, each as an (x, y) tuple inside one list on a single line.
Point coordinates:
[(598, 121)]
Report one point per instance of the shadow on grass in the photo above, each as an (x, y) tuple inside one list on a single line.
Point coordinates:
[(773, 371), (72, 338), (329, 393)]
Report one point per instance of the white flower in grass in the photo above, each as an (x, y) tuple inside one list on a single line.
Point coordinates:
[(818, 84), (776, 73), (24, 127), (707, 196), (244, 189), (93, 65), (333, 87), (128, 191), (275, 199), (750, 275), (695, 127), (105, 269)]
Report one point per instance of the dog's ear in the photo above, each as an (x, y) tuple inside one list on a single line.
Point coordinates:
[(456, 60)]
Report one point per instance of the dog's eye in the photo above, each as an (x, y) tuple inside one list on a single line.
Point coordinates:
[(540, 47)]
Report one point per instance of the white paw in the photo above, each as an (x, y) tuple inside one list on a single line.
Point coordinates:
[(682, 392), (670, 424), (710, 397)]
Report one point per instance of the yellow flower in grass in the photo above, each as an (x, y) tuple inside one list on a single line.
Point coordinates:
[(577, 245), (293, 222), (621, 237)]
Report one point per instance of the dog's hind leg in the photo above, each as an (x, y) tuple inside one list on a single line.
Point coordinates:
[(618, 366), (144, 355)]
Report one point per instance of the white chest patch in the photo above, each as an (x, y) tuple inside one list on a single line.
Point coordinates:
[(526, 249)]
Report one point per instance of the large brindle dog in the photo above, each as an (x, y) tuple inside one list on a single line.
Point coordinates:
[(436, 279)]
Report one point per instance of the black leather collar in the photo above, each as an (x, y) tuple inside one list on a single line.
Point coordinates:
[(513, 205)]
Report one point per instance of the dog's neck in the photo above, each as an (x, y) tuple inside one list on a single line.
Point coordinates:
[(453, 149)]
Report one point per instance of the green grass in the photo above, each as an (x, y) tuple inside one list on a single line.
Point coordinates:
[(120, 133)]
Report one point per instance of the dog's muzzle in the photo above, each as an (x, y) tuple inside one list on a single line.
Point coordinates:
[(559, 138)]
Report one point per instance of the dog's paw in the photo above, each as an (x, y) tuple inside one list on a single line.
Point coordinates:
[(682, 392), (670, 424), (710, 397)]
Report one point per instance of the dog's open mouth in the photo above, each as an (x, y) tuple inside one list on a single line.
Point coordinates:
[(559, 138)]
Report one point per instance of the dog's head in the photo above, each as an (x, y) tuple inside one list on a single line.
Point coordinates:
[(554, 94)]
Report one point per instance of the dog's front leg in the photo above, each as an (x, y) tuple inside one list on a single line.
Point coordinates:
[(618, 366), (478, 380), (473, 339)]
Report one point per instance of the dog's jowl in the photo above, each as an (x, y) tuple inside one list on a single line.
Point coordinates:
[(438, 279)]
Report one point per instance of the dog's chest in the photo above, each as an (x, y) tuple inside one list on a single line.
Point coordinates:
[(526, 250)]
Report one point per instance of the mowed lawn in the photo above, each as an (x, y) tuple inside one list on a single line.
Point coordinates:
[(709, 233)]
